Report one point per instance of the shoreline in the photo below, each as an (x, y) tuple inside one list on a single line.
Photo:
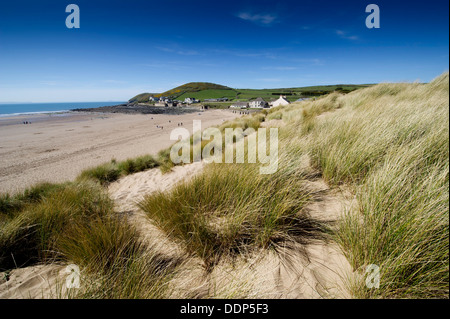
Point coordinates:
[(38, 117), (13, 109), (56, 148), (32, 113), (140, 109)]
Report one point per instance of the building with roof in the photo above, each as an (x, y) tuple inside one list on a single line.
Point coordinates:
[(258, 103), (281, 101), (239, 105), (190, 100)]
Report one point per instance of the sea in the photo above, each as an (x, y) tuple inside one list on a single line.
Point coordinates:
[(36, 108)]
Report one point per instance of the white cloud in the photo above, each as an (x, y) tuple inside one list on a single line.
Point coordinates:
[(260, 19), (344, 35), (245, 54), (181, 52), (311, 61), (280, 68)]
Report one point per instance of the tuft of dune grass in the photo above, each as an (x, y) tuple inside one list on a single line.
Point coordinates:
[(31, 235), (74, 223), (138, 164), (231, 209), (112, 171), (11, 204), (115, 262)]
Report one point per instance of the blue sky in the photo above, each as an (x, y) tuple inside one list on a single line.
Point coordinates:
[(128, 47)]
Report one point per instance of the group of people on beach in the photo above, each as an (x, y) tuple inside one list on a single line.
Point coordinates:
[(162, 127), (242, 112), (26, 122)]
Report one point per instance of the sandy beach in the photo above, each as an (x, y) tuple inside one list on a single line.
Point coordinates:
[(57, 147)]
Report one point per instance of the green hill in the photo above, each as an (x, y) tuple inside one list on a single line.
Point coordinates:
[(206, 90), (195, 87), (141, 98)]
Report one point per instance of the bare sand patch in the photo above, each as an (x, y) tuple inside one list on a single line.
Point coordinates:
[(57, 148), (34, 282)]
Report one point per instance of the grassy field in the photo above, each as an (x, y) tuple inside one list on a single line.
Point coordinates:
[(387, 144), (217, 105), (293, 94), (209, 94), (203, 90)]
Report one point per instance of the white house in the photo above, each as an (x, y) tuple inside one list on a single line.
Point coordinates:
[(153, 99), (258, 103), (239, 105), (281, 101), (190, 100)]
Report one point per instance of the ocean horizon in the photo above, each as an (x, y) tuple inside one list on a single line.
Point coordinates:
[(10, 109)]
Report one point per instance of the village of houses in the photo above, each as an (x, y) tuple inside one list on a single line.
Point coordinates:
[(257, 103)]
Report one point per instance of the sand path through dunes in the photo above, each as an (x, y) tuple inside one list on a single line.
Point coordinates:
[(129, 190), (57, 148), (317, 270)]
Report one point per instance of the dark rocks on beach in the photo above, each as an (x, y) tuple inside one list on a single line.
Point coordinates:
[(138, 109)]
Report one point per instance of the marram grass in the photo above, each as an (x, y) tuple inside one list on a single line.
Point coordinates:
[(390, 143)]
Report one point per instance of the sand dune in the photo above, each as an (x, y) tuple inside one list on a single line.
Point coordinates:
[(317, 270)]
